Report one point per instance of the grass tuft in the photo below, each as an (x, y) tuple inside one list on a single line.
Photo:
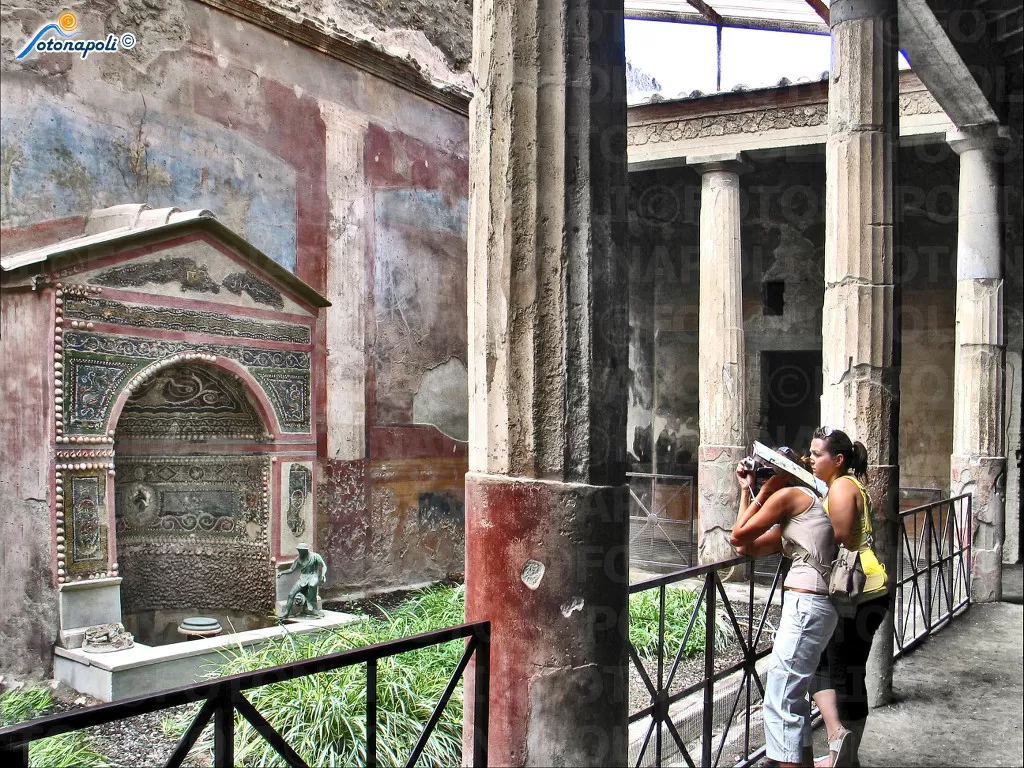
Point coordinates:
[(323, 717), (64, 751), (679, 607)]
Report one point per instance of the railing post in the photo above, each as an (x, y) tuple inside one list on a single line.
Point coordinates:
[(224, 732), (16, 756), (929, 526), (481, 704), (708, 721), (371, 713)]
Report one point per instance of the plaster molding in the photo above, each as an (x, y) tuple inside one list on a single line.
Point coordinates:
[(365, 54), (760, 120), (709, 126)]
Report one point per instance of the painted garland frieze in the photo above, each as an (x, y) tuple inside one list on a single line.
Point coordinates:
[(90, 359), (721, 125), (181, 270), (173, 319), (259, 291)]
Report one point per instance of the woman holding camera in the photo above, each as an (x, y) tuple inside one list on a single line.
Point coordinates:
[(839, 687), (783, 517)]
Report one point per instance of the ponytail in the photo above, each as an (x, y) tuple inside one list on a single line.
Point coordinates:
[(858, 460)]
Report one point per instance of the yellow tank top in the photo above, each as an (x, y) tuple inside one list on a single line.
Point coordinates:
[(876, 582)]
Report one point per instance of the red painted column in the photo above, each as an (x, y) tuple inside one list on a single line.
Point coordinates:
[(546, 502)]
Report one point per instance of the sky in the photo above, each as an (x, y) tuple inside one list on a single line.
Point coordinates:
[(682, 56)]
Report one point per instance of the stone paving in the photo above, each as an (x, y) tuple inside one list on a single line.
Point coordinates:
[(958, 697)]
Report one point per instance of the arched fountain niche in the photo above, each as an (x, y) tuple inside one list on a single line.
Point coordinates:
[(191, 502)]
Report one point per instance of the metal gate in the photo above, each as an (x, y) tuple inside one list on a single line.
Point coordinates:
[(662, 533)]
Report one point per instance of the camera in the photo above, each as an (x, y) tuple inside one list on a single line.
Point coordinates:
[(761, 470)]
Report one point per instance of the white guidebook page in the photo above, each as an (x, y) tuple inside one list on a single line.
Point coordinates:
[(780, 462)]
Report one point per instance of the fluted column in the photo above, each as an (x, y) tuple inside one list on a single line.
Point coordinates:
[(721, 373), (860, 351), (978, 463), (546, 501)]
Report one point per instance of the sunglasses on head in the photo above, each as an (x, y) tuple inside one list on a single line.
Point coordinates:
[(823, 432)]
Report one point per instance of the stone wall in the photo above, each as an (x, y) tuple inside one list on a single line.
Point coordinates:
[(349, 179)]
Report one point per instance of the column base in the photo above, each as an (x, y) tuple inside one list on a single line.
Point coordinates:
[(984, 477), (547, 563)]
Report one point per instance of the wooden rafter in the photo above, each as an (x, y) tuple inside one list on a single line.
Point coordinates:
[(819, 8), (708, 12)]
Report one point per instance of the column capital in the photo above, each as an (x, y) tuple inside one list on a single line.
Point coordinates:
[(988, 136), (851, 10), (734, 162)]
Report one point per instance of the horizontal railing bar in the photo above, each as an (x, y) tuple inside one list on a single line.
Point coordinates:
[(52, 725), (685, 573), (931, 504), (659, 477)]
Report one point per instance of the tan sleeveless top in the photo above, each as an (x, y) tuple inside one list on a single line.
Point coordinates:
[(808, 539)]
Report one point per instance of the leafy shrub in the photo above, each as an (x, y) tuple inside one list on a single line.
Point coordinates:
[(679, 607), (68, 749), (323, 716)]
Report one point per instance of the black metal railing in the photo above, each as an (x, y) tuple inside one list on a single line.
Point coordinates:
[(224, 697), (933, 569), (662, 512), (726, 679)]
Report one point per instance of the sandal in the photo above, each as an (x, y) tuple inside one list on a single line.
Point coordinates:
[(840, 749)]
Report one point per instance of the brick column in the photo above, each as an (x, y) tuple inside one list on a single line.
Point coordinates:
[(546, 501), (860, 341), (978, 463), (721, 366)]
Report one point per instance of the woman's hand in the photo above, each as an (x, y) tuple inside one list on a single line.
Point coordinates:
[(744, 477)]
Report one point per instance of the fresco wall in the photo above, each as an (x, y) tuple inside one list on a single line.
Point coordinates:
[(208, 111)]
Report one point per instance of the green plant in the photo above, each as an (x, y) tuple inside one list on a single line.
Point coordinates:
[(679, 607), (323, 716), (68, 749)]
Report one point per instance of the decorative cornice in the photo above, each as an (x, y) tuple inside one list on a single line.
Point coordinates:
[(359, 53), (752, 112), (710, 126)]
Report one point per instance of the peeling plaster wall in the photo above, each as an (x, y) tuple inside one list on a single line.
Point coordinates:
[(281, 142), (446, 24), (782, 231), (28, 600)]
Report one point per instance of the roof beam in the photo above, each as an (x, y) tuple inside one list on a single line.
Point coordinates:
[(819, 8), (707, 12)]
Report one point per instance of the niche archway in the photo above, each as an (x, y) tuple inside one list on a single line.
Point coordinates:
[(191, 501)]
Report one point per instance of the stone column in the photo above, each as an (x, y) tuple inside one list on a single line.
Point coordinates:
[(546, 501), (860, 340), (721, 374), (978, 463)]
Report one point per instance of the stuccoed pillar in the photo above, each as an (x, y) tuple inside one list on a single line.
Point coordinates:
[(860, 338), (978, 463), (721, 373), (546, 500)]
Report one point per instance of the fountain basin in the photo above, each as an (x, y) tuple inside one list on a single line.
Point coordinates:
[(146, 669)]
